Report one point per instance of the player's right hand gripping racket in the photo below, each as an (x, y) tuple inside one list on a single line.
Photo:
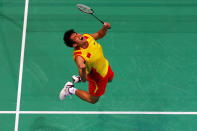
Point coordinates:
[(88, 10)]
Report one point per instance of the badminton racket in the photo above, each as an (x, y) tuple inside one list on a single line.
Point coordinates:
[(88, 10)]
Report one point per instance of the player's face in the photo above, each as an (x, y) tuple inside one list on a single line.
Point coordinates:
[(78, 38)]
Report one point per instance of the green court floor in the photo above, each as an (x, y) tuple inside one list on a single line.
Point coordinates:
[(151, 48)]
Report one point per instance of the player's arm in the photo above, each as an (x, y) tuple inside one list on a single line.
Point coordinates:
[(81, 67), (101, 33)]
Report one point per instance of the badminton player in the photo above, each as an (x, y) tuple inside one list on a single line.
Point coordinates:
[(91, 63)]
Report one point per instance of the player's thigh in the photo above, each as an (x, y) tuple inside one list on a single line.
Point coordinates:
[(97, 88)]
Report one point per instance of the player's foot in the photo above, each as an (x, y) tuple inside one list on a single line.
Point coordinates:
[(65, 91)]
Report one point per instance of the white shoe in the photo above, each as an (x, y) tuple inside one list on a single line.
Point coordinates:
[(65, 91)]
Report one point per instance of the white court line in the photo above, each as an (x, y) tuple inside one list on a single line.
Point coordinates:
[(101, 112), (21, 65), (7, 112), (108, 112)]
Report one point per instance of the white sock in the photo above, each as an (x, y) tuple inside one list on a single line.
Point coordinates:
[(72, 90)]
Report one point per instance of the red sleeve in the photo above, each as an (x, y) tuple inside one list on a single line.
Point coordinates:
[(79, 53)]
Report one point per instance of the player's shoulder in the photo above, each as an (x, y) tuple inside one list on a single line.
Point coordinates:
[(87, 36), (78, 52)]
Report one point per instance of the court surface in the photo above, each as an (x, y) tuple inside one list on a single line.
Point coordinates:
[(151, 48)]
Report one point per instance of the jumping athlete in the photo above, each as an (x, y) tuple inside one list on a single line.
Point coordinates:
[(91, 63)]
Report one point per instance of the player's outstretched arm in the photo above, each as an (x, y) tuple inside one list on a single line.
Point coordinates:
[(82, 67), (101, 33)]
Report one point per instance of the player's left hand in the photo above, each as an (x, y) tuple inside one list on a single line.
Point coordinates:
[(76, 79)]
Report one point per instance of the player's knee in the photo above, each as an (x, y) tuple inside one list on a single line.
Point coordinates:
[(94, 100)]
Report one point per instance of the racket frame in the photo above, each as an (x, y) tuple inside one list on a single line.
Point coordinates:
[(91, 11)]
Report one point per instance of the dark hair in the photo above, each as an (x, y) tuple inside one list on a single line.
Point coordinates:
[(67, 39)]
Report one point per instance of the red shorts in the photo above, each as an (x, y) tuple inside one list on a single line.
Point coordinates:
[(97, 83)]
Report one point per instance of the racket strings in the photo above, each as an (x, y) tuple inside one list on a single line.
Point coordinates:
[(85, 9)]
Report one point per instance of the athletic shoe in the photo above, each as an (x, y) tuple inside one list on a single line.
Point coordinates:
[(65, 91)]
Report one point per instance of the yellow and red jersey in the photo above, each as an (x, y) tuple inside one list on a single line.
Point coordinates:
[(95, 61)]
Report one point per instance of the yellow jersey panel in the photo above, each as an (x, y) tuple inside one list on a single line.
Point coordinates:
[(93, 56)]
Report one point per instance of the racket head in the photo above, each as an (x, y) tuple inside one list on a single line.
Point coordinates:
[(85, 8)]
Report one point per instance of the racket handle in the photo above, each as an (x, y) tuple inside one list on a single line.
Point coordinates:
[(99, 20)]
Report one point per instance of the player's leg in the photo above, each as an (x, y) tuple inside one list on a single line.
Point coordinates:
[(96, 89), (84, 95)]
